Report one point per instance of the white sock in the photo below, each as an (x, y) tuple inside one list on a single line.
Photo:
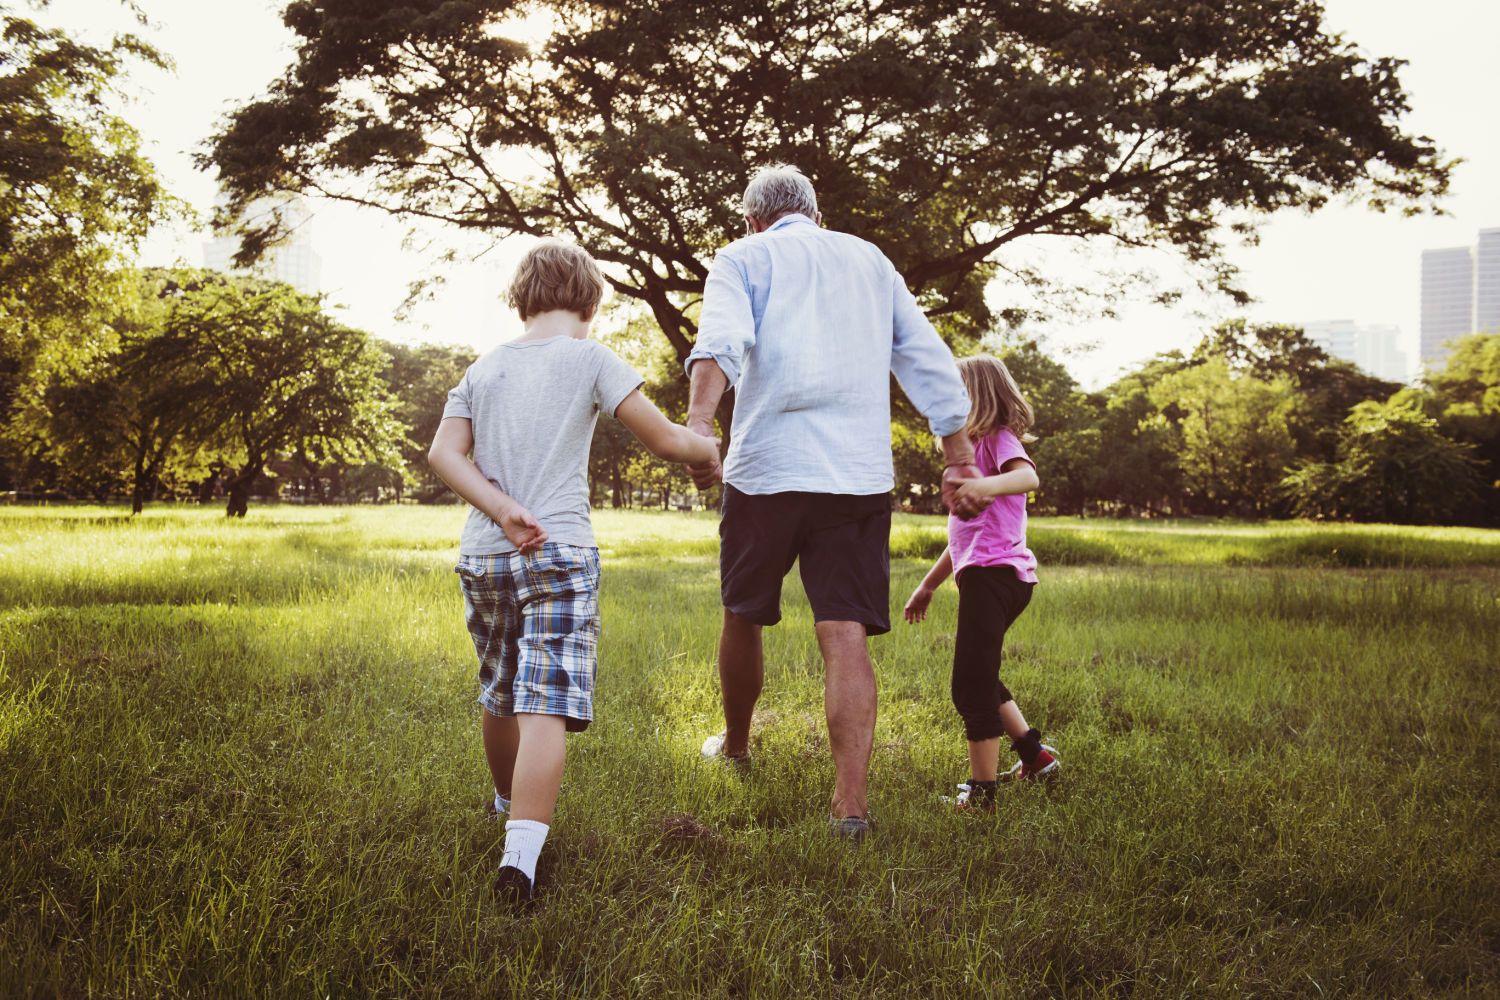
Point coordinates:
[(502, 805), (523, 845)]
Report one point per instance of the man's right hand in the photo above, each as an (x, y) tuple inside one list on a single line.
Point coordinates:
[(704, 474), (965, 508)]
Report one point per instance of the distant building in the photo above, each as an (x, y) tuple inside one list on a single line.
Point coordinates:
[(1373, 348), (293, 261), (1487, 282), (1460, 293), (1447, 298), (1336, 336)]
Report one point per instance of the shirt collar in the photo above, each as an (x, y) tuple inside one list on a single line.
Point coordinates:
[(787, 220)]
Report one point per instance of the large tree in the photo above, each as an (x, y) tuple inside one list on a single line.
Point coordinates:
[(76, 197), (942, 130)]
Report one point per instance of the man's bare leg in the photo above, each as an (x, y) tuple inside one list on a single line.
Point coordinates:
[(742, 671), (849, 698)]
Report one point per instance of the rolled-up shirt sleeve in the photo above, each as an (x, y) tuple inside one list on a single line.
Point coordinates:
[(726, 327), (924, 366)]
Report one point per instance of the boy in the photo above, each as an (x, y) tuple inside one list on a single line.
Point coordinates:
[(527, 559)]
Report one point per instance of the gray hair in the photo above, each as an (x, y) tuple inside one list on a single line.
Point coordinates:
[(777, 190)]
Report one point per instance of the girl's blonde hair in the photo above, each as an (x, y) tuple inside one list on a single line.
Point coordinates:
[(995, 401)]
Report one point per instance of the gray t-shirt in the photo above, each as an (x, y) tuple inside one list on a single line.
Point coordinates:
[(533, 405)]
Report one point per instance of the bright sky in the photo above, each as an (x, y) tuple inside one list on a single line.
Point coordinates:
[(1344, 262)]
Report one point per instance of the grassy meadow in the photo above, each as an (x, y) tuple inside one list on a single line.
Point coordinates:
[(241, 758)]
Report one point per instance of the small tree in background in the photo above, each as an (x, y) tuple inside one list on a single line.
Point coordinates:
[(418, 378), (232, 372), (141, 411), (1327, 387), (1236, 435), (293, 379), (1066, 428), (1394, 464), (1466, 402), (1139, 451)]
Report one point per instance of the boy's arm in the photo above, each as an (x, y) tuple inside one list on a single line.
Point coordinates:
[(1015, 476), (916, 605), (449, 458), (663, 438)]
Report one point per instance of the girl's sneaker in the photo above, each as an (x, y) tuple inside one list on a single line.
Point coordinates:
[(1044, 768)]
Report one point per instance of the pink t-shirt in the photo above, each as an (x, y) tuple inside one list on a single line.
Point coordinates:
[(998, 536)]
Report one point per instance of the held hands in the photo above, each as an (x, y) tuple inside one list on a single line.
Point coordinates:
[(705, 474), (522, 529), (961, 499), (916, 605), (976, 490)]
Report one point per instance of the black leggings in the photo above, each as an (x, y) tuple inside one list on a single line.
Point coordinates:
[(990, 598)]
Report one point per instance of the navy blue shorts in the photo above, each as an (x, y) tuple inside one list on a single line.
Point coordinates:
[(840, 542)]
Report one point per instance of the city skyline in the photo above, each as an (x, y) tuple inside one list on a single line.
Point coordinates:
[(1460, 292)]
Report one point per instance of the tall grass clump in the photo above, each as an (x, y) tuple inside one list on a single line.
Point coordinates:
[(242, 758)]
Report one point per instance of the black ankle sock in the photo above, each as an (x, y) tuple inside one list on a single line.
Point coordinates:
[(1028, 747)]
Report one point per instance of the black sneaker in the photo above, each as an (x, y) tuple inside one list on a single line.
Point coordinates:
[(513, 888)]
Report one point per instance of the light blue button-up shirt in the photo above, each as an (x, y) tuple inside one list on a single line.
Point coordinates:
[(808, 324)]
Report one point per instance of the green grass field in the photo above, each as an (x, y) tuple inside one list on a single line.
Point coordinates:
[(241, 758)]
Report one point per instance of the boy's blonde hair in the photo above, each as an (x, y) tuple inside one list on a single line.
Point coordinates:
[(556, 274), (995, 401)]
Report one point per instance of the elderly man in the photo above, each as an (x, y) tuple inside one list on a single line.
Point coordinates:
[(806, 325)]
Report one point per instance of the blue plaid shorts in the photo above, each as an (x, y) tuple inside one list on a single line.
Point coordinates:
[(534, 620)]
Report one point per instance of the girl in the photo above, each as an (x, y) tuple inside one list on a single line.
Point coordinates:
[(995, 573)]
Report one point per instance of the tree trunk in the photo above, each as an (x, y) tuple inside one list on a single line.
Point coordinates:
[(238, 489), (138, 486)]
